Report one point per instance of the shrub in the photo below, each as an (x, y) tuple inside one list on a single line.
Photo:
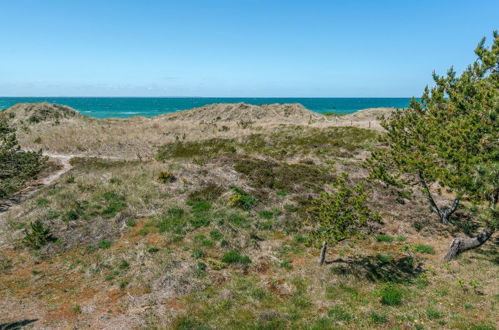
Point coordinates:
[(390, 295), (241, 199), (235, 257), (16, 167), (384, 238), (38, 236), (166, 177), (422, 248), (341, 214)]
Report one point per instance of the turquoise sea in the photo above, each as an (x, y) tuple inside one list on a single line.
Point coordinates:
[(122, 107)]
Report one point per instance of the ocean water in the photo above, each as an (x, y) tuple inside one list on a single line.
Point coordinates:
[(122, 107)]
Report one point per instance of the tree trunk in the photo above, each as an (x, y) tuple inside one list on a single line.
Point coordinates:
[(443, 213), (322, 258), (460, 244)]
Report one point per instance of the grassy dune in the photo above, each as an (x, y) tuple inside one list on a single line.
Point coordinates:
[(211, 233)]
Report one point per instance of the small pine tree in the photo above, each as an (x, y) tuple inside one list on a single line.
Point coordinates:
[(340, 215)]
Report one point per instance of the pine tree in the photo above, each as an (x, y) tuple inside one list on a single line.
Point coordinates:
[(16, 166), (449, 140)]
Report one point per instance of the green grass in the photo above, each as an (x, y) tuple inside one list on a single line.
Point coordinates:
[(384, 238), (339, 313), (105, 244), (378, 318), (422, 248), (390, 295), (235, 257)]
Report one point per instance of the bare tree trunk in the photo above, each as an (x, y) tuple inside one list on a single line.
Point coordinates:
[(322, 258), (445, 213), (460, 244)]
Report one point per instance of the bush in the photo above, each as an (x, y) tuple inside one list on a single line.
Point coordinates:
[(166, 177), (390, 295), (235, 257), (241, 199), (38, 236)]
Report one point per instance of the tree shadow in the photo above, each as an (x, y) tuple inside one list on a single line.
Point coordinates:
[(379, 268), (16, 325), (489, 251), (464, 223)]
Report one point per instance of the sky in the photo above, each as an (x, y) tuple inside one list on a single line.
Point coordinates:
[(236, 48)]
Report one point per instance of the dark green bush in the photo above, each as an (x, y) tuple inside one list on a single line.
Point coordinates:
[(38, 235), (166, 177), (241, 199), (16, 167)]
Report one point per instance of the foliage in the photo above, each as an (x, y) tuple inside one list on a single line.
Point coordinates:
[(16, 166), (449, 138), (341, 214), (38, 236)]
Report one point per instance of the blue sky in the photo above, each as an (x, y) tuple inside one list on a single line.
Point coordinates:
[(265, 48)]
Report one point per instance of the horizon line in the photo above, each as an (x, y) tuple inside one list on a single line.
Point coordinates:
[(225, 97)]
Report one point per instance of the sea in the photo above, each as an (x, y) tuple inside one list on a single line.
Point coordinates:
[(123, 107)]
